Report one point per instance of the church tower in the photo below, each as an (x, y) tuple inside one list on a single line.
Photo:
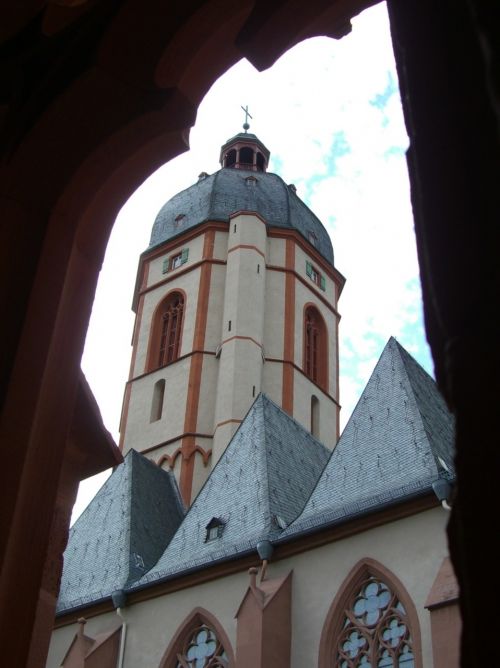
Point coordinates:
[(237, 294)]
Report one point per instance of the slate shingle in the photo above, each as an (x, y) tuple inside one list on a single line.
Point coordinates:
[(264, 477), (390, 446), (218, 196), (122, 532)]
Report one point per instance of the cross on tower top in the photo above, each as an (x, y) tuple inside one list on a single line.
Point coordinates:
[(246, 124)]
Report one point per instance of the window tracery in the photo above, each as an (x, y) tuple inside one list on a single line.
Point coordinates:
[(202, 649), (375, 630), (166, 332)]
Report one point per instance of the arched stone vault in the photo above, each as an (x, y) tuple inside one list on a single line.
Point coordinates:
[(98, 94)]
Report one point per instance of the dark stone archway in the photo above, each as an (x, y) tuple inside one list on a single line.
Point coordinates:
[(95, 96)]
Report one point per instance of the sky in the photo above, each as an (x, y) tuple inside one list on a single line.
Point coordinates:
[(330, 113)]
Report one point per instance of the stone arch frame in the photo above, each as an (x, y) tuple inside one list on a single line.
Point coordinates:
[(155, 330), (196, 617), (334, 618), (323, 349), (106, 125)]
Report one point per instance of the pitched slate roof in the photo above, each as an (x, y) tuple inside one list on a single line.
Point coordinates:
[(122, 532), (262, 481), (390, 448), (218, 196)]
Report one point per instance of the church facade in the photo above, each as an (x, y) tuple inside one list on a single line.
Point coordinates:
[(241, 530)]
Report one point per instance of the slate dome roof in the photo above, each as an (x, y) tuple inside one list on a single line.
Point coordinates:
[(229, 190)]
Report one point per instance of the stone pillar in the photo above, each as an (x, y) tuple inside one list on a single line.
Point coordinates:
[(264, 628), (241, 352)]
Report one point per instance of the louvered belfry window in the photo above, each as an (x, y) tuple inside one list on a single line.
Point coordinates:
[(375, 631), (171, 326)]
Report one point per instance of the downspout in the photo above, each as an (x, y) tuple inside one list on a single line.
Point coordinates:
[(119, 600)]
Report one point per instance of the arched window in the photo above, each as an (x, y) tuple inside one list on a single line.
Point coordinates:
[(315, 416), (166, 331), (157, 403), (315, 347), (371, 623), (200, 642)]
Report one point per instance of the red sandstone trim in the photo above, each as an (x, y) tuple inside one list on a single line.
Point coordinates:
[(135, 340), (195, 618), (180, 272), (220, 424), (244, 212), (241, 338), (297, 368), (289, 328), (327, 268), (179, 359), (247, 247), (195, 371), (308, 284), (179, 437)]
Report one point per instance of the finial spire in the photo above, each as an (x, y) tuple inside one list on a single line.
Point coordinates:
[(246, 124)]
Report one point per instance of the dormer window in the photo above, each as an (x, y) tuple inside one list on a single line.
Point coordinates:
[(214, 529), (251, 181), (312, 238)]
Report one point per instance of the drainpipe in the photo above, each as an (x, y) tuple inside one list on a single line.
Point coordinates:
[(119, 601)]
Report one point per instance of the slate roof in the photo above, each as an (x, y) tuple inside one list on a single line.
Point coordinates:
[(390, 448), (262, 481), (218, 196), (122, 532)]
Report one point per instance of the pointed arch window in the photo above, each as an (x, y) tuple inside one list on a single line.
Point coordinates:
[(372, 623), (200, 642), (166, 332), (315, 346)]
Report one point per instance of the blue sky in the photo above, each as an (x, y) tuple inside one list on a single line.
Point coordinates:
[(330, 113)]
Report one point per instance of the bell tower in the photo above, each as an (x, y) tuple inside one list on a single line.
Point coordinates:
[(237, 294)]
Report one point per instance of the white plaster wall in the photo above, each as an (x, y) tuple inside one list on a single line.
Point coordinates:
[(412, 548), (206, 404), (276, 251), (220, 245), (155, 273), (215, 307), (300, 267), (272, 381), (303, 390), (140, 433), (274, 318)]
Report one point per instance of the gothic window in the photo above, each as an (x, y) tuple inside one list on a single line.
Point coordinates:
[(200, 642), (166, 332), (202, 649), (370, 625), (315, 359)]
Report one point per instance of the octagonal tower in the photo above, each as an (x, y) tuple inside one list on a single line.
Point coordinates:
[(237, 294)]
